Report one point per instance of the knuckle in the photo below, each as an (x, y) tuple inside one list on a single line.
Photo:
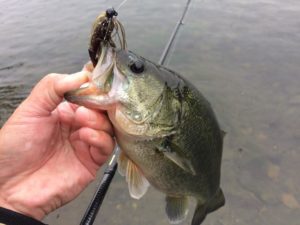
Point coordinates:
[(51, 76), (88, 67), (51, 79), (54, 77)]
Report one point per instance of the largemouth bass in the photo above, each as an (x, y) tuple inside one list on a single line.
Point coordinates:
[(167, 131)]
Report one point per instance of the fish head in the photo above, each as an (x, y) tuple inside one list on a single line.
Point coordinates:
[(129, 87)]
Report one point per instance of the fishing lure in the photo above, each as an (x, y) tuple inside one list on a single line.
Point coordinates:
[(104, 30)]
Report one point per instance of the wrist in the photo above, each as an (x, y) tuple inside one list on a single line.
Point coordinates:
[(10, 217), (22, 208)]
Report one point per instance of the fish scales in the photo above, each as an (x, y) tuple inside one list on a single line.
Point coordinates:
[(167, 131)]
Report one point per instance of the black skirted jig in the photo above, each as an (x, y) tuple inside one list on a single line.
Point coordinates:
[(105, 28)]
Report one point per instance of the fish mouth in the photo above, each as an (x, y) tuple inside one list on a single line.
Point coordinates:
[(102, 90)]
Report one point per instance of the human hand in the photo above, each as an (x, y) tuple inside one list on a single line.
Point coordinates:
[(51, 150)]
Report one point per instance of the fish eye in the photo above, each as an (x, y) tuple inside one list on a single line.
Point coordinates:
[(137, 66)]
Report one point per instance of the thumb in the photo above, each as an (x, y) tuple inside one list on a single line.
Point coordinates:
[(48, 93)]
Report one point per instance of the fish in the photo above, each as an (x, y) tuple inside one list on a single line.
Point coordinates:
[(167, 131)]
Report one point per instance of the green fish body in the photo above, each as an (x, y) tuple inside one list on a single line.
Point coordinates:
[(167, 131)]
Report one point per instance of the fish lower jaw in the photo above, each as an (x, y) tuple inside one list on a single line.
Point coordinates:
[(85, 85), (100, 102)]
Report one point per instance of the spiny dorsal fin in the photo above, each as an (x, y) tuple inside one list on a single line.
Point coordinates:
[(137, 183), (176, 209)]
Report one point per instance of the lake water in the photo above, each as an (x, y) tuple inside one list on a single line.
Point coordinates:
[(244, 56)]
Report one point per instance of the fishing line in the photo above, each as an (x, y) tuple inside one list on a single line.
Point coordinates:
[(96, 202), (121, 4)]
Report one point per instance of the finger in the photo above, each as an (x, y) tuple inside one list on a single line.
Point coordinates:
[(88, 67), (91, 157), (66, 112), (82, 150), (93, 119), (48, 93), (98, 158), (73, 106), (98, 139)]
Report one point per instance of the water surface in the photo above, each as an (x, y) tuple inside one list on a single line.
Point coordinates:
[(244, 56)]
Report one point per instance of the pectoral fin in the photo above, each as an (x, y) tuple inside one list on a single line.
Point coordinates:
[(137, 183), (176, 209), (176, 155), (122, 164), (183, 163)]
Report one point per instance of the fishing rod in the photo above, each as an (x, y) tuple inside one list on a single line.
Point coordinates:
[(173, 35), (96, 202)]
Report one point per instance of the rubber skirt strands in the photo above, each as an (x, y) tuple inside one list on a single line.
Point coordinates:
[(106, 31)]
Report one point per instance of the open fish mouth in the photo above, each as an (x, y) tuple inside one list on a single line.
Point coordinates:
[(102, 91), (104, 88)]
